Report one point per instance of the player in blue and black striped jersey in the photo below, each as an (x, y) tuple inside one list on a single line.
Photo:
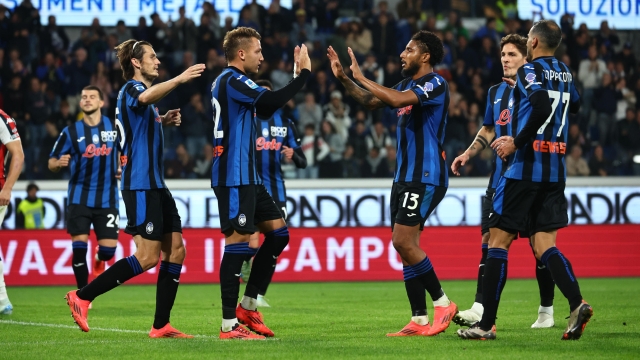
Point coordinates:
[(153, 218), (90, 149), (501, 117), (531, 190), (245, 206), (420, 101), (278, 139)]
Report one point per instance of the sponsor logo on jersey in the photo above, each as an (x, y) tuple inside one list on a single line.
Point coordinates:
[(278, 131), (505, 117), (92, 151), (405, 110), (264, 144), (549, 147), (108, 136)]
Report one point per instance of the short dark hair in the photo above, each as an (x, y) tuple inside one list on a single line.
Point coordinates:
[(264, 83), (519, 41), (32, 186), (94, 88), (237, 38), (548, 32), (430, 43)]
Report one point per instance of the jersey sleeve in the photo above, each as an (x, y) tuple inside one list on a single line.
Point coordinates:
[(132, 94), (529, 78), (488, 113), (293, 138), (8, 129), (243, 90), (432, 92), (62, 145)]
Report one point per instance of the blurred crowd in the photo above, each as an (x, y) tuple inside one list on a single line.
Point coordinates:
[(43, 69)]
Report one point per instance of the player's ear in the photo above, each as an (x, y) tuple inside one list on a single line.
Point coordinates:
[(136, 63), (241, 54), (426, 57)]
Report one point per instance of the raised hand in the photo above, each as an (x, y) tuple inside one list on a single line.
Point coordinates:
[(296, 61), (172, 118), (336, 67), (355, 68), (191, 73), (305, 61)]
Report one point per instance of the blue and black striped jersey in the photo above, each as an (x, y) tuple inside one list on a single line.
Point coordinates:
[(234, 96), (420, 132), (141, 140), (93, 163), (502, 111), (273, 134), (542, 159)]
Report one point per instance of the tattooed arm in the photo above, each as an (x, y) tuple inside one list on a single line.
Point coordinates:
[(481, 142)]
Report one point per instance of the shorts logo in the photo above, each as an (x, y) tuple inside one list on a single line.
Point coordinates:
[(242, 220), (96, 139), (265, 132), (149, 228)]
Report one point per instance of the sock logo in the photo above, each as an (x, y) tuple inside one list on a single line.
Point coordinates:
[(118, 282), (176, 280), (149, 228), (238, 275), (242, 220)]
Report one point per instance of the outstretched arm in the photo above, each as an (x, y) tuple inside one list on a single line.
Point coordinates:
[(156, 92), (361, 95)]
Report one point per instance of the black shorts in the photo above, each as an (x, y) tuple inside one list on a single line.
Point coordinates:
[(529, 207), (105, 221), (242, 207), (282, 206), (487, 207), (151, 213), (413, 202)]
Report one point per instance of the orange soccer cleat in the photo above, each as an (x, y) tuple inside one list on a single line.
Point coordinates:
[(98, 265), (412, 329), (79, 309), (240, 333), (168, 331), (253, 320), (442, 318)]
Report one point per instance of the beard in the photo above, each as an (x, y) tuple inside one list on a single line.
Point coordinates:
[(90, 111), (150, 76), (410, 69)]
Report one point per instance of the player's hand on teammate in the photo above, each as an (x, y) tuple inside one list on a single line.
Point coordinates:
[(64, 161), (355, 68), (191, 73), (459, 162), (305, 61), (504, 146), (5, 197), (336, 67), (287, 151), (172, 118), (510, 82)]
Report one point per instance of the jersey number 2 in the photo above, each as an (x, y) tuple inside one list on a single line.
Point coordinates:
[(114, 220), (217, 134)]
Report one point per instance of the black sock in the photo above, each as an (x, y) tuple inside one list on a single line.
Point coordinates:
[(427, 276), (234, 255), (483, 260), (545, 284), (495, 277), (105, 253), (79, 263), (252, 253), (166, 291), (563, 276), (265, 261), (270, 273), (123, 270), (415, 292)]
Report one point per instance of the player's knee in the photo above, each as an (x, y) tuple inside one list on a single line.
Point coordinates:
[(178, 254), (401, 244), (106, 253), (147, 261), (281, 238)]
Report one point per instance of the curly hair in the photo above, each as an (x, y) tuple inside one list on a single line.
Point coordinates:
[(430, 43), (519, 41), (236, 39)]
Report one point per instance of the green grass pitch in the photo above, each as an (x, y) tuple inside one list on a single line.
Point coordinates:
[(317, 320)]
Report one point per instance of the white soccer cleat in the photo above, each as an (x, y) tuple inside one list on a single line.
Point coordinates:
[(545, 318), (469, 317), (262, 302), (6, 309)]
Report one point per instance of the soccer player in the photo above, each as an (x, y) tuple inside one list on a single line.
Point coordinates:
[(277, 137), (503, 103), (9, 141), (420, 101), (89, 147), (243, 200), (153, 218), (532, 187)]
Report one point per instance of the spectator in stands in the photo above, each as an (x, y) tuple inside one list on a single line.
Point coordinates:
[(180, 167), (358, 141), (214, 64), (627, 58), (598, 165), (575, 137), (228, 25), (315, 150), (392, 75), (158, 34), (141, 32), (194, 130), (51, 137), (454, 24), (214, 18), (100, 79), (359, 39), (53, 38), (375, 165), (51, 73), (576, 165), (78, 73), (384, 33), (309, 113), (326, 16), (184, 36), (279, 19), (488, 31), (257, 14), (202, 167), (607, 96), (246, 20), (331, 166), (5, 26), (379, 137), (337, 113), (207, 39), (590, 75), (607, 37), (64, 117), (14, 99), (350, 165), (122, 32), (281, 76), (302, 31), (391, 160), (628, 135), (31, 211)]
